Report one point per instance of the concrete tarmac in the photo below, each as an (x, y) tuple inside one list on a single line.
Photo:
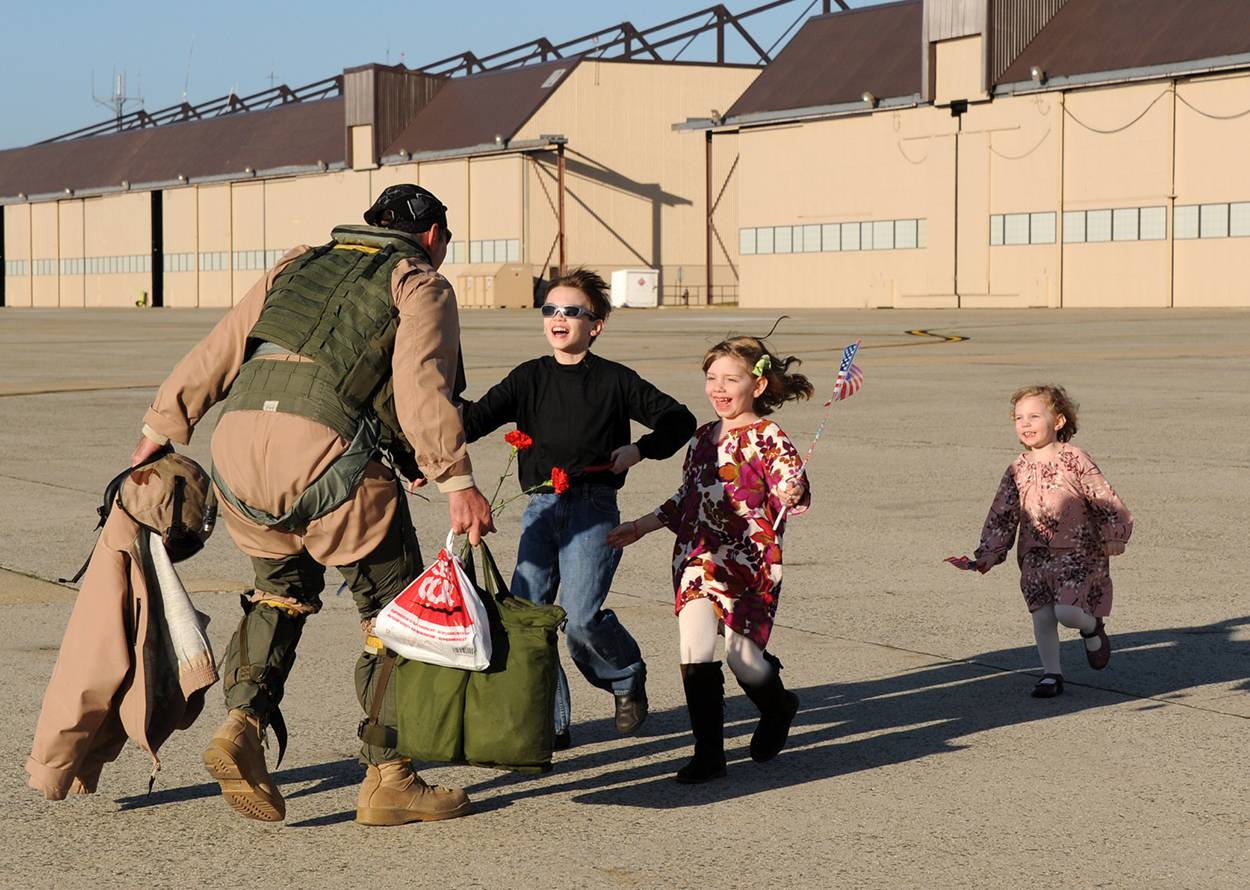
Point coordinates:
[(918, 758)]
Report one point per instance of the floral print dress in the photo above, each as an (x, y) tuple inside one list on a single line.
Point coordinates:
[(728, 546), (1066, 510)]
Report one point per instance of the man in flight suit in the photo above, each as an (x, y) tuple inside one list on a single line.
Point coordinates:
[(338, 369)]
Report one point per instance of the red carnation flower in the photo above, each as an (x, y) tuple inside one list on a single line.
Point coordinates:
[(518, 440), (559, 480)]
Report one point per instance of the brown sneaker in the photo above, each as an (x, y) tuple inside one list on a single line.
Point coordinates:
[(392, 794), (236, 759)]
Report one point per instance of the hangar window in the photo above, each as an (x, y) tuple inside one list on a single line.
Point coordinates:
[(811, 239), (1015, 228), (1213, 221), (865, 236), (1124, 224), (1042, 228), (1185, 222), (831, 237), (1073, 226), (922, 233), (883, 235), (850, 236), (1098, 225), (1239, 219), (905, 234), (764, 240), (746, 241), (783, 240), (1154, 224), (996, 230)]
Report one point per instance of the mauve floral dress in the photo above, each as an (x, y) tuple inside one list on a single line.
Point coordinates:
[(1065, 510), (728, 545)]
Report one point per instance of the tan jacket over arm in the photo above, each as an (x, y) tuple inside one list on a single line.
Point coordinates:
[(205, 374), (427, 353)]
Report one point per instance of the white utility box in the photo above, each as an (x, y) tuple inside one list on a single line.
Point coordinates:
[(635, 287)]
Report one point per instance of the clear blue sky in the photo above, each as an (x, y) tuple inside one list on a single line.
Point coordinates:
[(51, 48)]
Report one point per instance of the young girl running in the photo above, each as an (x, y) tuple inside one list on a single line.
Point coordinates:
[(740, 472), (1070, 521)]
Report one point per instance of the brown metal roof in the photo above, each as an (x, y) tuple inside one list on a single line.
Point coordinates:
[(473, 110), (836, 58), (1091, 36), (298, 134)]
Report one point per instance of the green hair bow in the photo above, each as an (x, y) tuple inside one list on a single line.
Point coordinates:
[(765, 362)]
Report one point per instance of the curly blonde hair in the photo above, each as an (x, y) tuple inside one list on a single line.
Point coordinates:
[(1057, 400), (782, 385)]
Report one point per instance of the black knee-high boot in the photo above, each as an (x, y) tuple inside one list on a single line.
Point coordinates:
[(705, 700), (778, 706)]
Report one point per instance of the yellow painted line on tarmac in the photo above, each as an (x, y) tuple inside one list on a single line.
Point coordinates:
[(944, 338)]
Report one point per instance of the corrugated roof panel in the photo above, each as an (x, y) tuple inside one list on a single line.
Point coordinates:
[(836, 58), (473, 110), (298, 134), (1087, 37)]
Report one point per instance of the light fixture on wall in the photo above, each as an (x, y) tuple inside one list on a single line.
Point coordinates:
[(21, 196), (321, 165), (125, 185), (869, 99), (1038, 75), (69, 191), (403, 154), (182, 177), (498, 139), (249, 171)]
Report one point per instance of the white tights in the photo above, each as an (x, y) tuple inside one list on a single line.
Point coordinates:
[(698, 626), (1046, 621)]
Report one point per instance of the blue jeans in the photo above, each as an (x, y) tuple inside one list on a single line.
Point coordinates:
[(564, 546)]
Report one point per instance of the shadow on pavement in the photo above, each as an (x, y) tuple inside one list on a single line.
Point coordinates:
[(841, 727), (848, 727)]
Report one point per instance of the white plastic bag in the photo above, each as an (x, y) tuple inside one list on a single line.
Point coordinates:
[(438, 618)]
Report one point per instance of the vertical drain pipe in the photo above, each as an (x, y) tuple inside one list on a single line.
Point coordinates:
[(158, 248)]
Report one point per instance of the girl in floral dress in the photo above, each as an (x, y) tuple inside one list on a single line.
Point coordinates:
[(1070, 521), (740, 473)]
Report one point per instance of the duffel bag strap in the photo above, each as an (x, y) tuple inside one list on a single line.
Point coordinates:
[(370, 731)]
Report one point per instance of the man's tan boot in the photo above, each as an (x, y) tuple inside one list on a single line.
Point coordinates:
[(236, 759), (393, 794)]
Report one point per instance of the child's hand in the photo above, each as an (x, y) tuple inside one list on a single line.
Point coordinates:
[(968, 564), (624, 534), (1113, 548), (791, 492), (625, 457)]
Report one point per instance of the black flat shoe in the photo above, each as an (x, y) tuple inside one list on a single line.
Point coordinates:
[(1049, 686), (563, 741), (1099, 657)]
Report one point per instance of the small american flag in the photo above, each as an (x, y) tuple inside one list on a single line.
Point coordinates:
[(850, 377)]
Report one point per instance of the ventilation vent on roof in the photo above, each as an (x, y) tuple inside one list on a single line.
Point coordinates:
[(554, 78)]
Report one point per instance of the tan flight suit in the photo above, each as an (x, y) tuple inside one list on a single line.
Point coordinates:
[(268, 458)]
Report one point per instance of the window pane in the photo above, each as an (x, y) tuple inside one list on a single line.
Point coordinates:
[(996, 230), (475, 251), (501, 250), (1041, 228), (514, 250), (764, 240), (865, 236), (883, 235), (905, 234), (1213, 221), (1098, 225), (922, 233), (850, 236), (1185, 222), (783, 239), (1238, 219), (831, 237), (1124, 224), (811, 239), (1016, 228), (746, 241), (488, 251), (1073, 226), (1154, 224)]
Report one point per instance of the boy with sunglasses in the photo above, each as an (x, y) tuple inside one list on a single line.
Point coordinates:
[(577, 407)]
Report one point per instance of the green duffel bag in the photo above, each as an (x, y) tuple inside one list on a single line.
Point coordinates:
[(500, 717)]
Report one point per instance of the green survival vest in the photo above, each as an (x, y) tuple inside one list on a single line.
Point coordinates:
[(332, 305)]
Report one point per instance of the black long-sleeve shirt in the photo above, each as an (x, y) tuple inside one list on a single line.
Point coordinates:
[(578, 415)]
